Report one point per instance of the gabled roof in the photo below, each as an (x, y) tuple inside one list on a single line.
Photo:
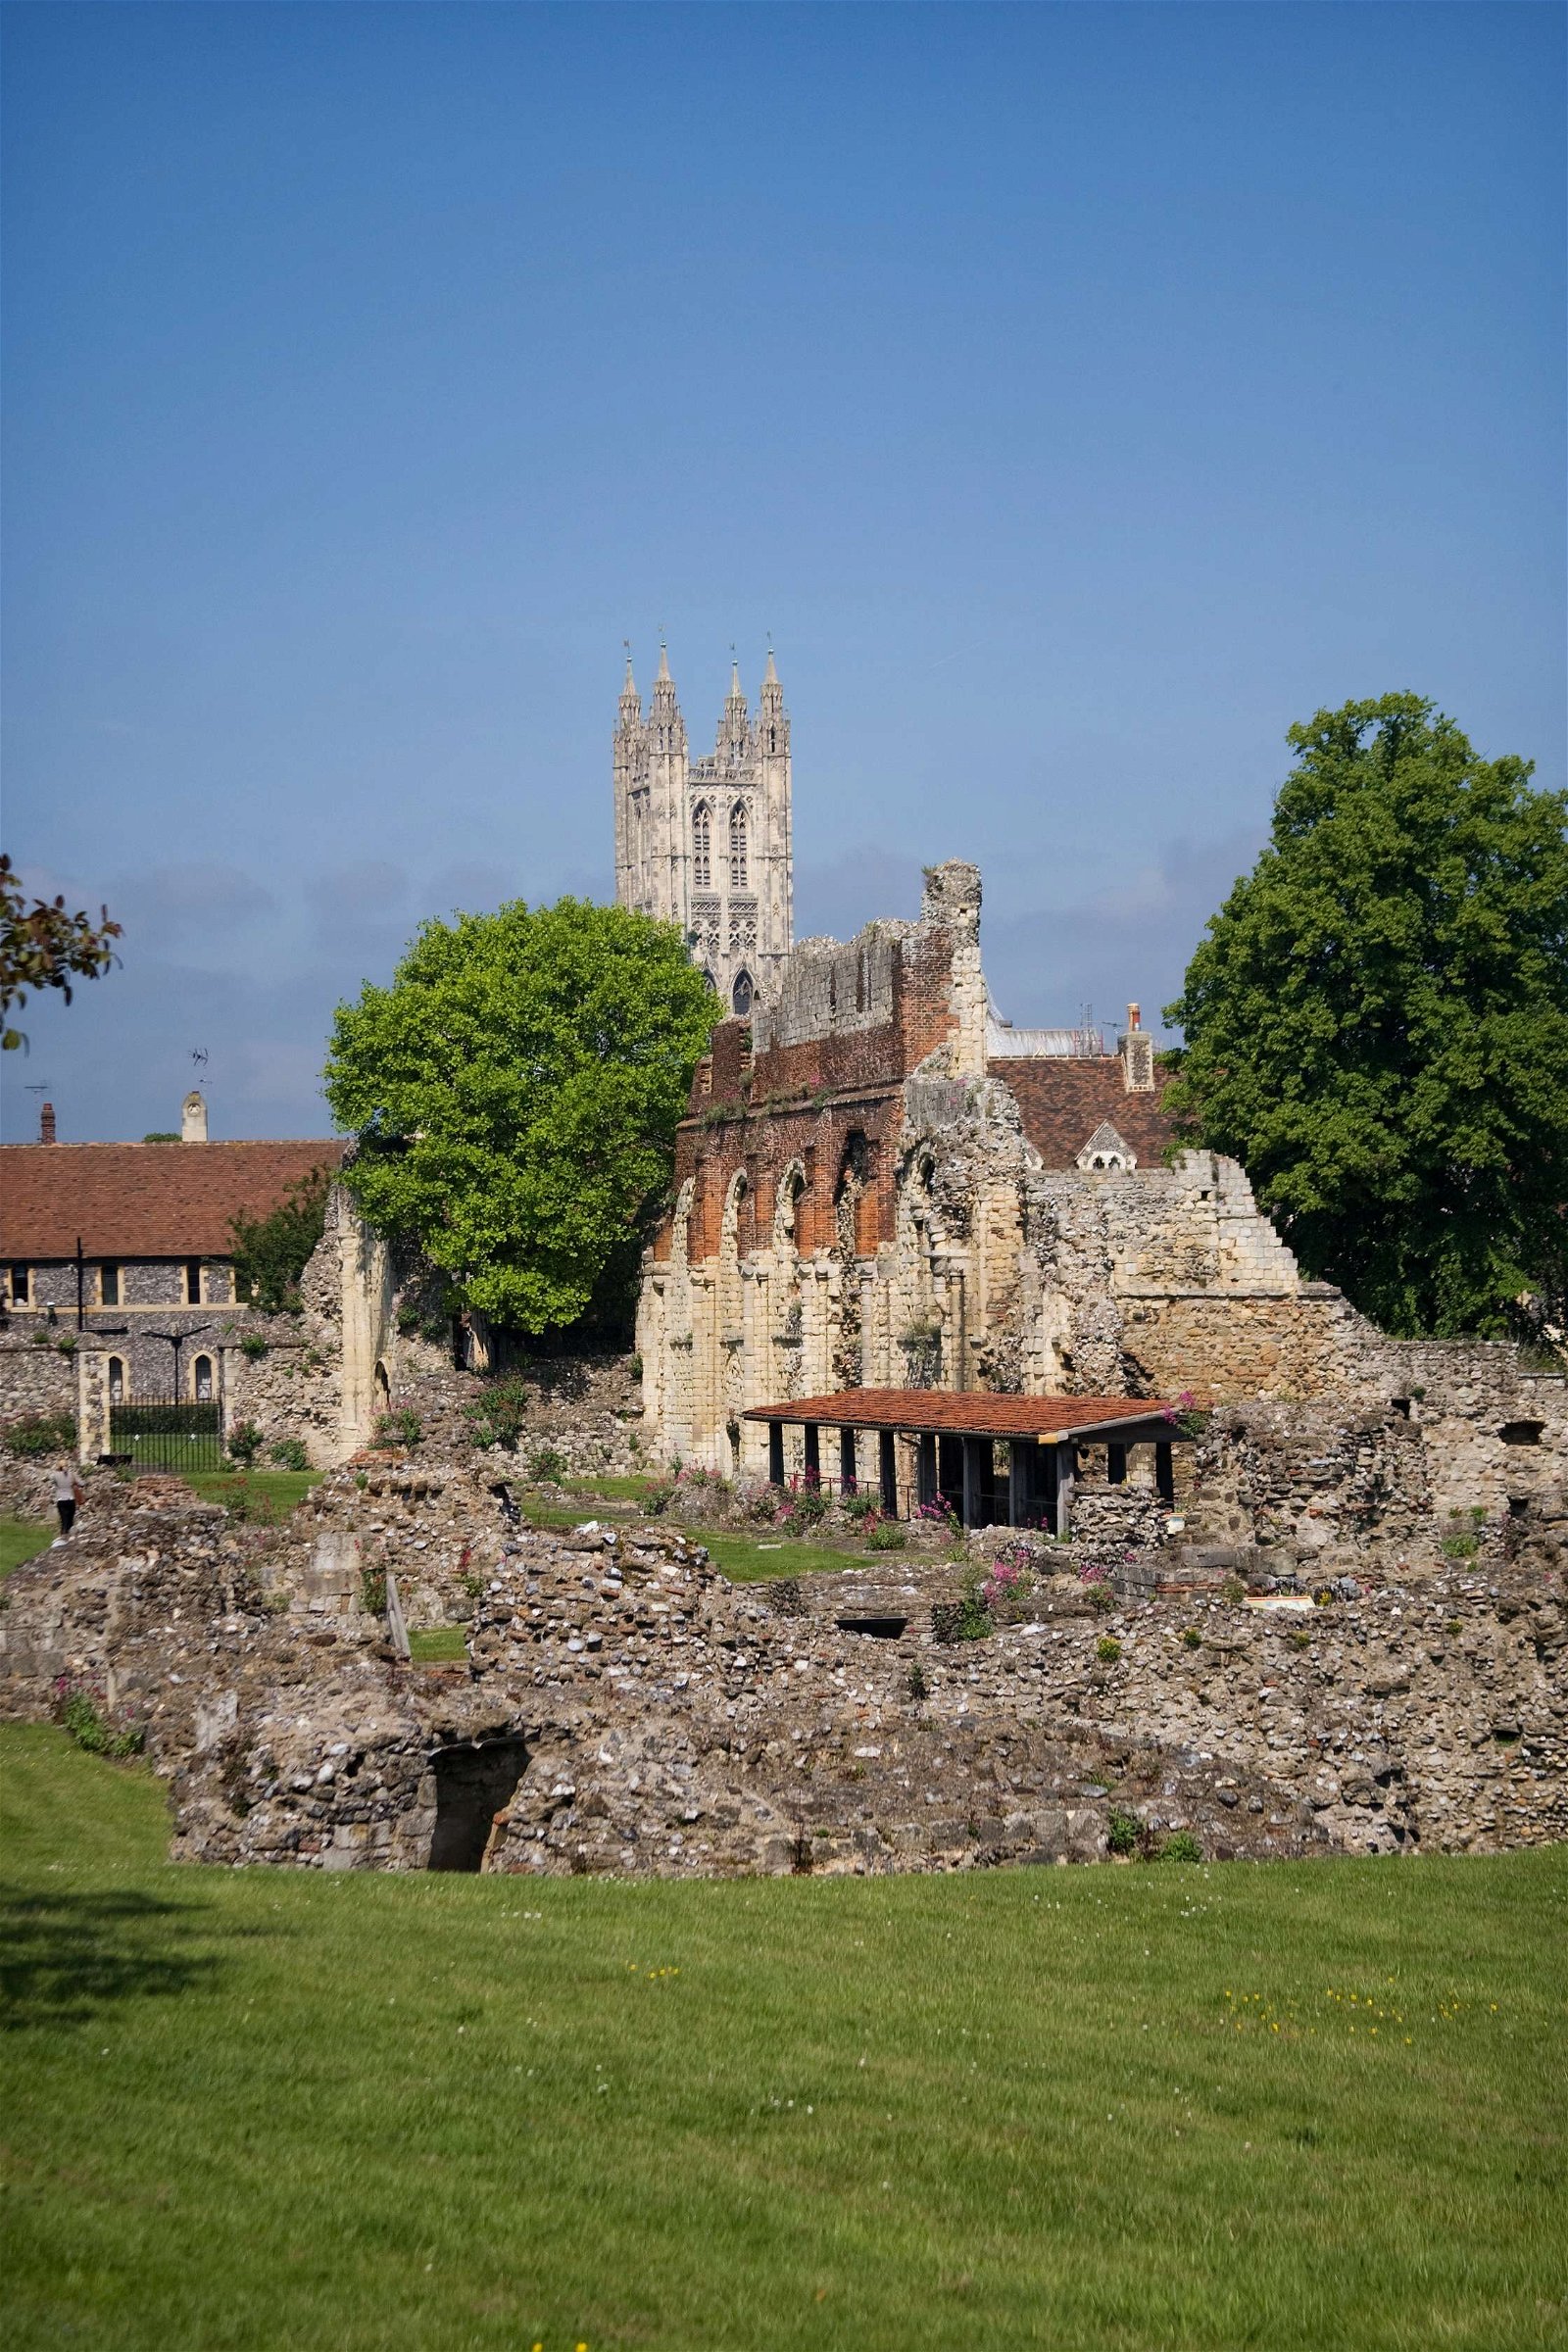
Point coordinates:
[(1106, 1144), (144, 1199), (973, 1414), (1063, 1101)]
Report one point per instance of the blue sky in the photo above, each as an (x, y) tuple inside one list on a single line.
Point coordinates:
[(1078, 395)]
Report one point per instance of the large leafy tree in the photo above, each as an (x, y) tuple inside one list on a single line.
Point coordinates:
[(515, 1093), (1377, 1023)]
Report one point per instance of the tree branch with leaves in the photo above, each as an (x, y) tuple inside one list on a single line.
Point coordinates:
[(42, 945)]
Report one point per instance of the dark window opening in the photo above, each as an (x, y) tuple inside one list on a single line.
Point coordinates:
[(1115, 1465), (877, 1629), (18, 1285), (109, 1284), (472, 1786), (1402, 1405), (1522, 1433), (117, 1380), (202, 1372), (193, 1282), (1165, 1473), (741, 995)]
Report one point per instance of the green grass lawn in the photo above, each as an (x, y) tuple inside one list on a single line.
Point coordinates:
[(282, 1489), (437, 1644), (22, 1540), (1298, 2107), (744, 1558), (612, 1490)]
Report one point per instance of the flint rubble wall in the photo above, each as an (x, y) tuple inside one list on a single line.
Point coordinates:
[(674, 1723)]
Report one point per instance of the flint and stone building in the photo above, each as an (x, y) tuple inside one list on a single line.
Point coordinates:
[(117, 1264), (705, 843)]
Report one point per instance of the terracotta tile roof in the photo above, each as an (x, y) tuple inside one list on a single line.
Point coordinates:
[(1063, 1099), (143, 1199), (970, 1415)]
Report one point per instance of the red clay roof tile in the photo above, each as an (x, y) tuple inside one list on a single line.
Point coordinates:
[(971, 1414), (144, 1199)]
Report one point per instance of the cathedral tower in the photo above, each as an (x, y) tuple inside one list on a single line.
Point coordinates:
[(705, 843)]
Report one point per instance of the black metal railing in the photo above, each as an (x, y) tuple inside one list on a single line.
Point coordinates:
[(166, 1433)]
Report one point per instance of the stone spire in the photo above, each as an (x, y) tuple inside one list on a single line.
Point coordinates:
[(733, 723), (631, 702)]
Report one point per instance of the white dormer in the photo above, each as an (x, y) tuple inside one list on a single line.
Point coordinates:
[(1105, 1153)]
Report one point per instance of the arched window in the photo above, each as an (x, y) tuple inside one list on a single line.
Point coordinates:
[(741, 993), (200, 1373), (117, 1380), (702, 846), (737, 845)]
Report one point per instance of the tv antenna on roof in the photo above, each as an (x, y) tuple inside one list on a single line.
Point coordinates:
[(38, 1086), (199, 1057)]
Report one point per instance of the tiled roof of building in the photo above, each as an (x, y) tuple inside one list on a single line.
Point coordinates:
[(971, 1416), (144, 1199), (1063, 1099)]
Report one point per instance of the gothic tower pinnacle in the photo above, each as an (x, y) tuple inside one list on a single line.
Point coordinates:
[(707, 843)]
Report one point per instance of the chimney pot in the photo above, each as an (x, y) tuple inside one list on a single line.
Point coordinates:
[(46, 1124), (1133, 1015)]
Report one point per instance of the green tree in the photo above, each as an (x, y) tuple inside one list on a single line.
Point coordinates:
[(515, 1093), (42, 945), (270, 1252), (1377, 1023)]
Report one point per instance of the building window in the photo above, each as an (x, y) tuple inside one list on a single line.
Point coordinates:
[(109, 1286), (741, 993), (702, 846), (117, 1380), (20, 1292), (1115, 1465), (200, 1373), (193, 1282), (737, 845)]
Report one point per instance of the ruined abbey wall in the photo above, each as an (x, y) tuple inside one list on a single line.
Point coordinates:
[(875, 1189)]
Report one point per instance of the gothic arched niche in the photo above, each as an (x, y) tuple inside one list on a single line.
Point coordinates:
[(741, 993), (702, 846), (786, 1207)]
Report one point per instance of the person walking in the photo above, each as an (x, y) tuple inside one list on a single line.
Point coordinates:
[(68, 1493)]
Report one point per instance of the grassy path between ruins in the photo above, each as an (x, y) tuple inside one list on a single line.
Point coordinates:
[(1314, 2106), (22, 1539)]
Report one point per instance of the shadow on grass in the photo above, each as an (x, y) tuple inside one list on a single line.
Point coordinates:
[(63, 1958)]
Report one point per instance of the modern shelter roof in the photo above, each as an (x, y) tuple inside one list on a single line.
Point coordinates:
[(145, 1199), (923, 1412)]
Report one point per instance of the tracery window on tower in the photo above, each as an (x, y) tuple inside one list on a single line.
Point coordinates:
[(737, 845), (741, 993), (702, 846)]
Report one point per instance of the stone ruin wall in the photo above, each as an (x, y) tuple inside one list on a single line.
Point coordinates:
[(36, 1379), (860, 1204), (666, 1723)]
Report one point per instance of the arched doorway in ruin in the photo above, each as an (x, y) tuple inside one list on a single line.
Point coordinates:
[(473, 1780)]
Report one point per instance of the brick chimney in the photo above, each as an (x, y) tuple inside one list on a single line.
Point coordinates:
[(46, 1124), (1135, 1046)]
